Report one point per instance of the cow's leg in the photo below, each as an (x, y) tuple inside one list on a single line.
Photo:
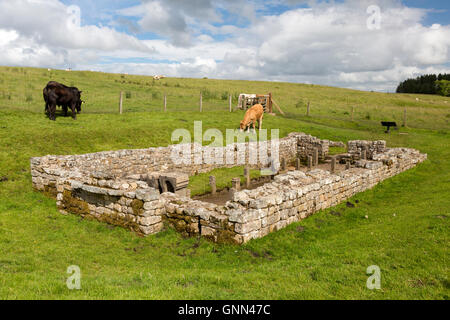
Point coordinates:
[(65, 108), (52, 111), (260, 123), (74, 111)]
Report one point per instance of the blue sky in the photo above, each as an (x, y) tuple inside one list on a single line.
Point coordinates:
[(323, 42), (94, 11), (439, 10)]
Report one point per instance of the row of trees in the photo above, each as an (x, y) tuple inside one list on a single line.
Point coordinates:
[(426, 84)]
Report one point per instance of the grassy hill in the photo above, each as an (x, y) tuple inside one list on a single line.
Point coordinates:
[(325, 256)]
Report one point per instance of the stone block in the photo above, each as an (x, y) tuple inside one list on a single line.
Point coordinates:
[(244, 228)]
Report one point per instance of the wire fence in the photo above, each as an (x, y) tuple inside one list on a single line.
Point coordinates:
[(21, 89), (165, 101)]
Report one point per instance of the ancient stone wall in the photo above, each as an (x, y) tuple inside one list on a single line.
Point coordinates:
[(118, 188), (356, 147), (114, 165), (307, 144), (289, 198)]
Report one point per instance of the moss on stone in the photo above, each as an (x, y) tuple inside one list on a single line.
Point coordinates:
[(137, 206), (226, 236), (74, 205), (50, 190)]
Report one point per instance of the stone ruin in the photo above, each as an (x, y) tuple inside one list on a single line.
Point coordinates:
[(145, 191)]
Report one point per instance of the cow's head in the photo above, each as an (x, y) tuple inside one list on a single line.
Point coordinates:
[(79, 101), (242, 126)]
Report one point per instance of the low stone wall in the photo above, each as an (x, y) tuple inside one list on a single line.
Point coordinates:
[(93, 186), (134, 205), (307, 144), (356, 147), (115, 165), (291, 197)]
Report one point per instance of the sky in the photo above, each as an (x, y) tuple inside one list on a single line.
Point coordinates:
[(365, 45)]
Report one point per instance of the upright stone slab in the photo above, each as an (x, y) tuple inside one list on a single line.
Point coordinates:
[(310, 162), (236, 183), (247, 177), (333, 165), (212, 183)]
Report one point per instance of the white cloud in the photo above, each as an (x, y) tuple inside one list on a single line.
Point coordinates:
[(324, 44), (332, 45), (45, 33)]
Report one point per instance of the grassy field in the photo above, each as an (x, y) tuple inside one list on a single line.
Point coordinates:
[(323, 257)]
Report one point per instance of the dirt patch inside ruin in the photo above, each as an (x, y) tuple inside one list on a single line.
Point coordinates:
[(221, 197)]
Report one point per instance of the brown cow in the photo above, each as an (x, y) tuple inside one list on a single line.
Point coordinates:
[(255, 113)]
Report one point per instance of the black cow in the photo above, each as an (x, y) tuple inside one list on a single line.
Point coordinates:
[(57, 94)]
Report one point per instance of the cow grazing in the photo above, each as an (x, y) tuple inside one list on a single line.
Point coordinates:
[(255, 113), (65, 106), (57, 94)]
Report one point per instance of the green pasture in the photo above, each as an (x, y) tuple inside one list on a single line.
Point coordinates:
[(406, 232)]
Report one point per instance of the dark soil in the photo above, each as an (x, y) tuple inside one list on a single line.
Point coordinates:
[(222, 196)]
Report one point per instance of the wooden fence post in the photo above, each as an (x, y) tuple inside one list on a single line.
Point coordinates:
[(121, 102), (201, 102), (165, 103), (270, 103), (308, 109), (404, 117), (230, 101)]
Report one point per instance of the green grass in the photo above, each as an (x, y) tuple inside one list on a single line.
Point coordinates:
[(21, 88), (199, 184), (323, 257)]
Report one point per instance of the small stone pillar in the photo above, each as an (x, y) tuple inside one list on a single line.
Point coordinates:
[(297, 164), (283, 164), (364, 154), (310, 162), (333, 165), (316, 157), (247, 177), (212, 183), (236, 184), (347, 165)]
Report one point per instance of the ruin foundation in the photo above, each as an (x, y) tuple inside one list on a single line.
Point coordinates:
[(144, 190)]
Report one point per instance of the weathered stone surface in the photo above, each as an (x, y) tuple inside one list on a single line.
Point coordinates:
[(146, 230), (244, 228), (147, 221), (93, 185), (148, 194)]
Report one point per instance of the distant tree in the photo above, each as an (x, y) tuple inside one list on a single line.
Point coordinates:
[(443, 87), (425, 84)]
